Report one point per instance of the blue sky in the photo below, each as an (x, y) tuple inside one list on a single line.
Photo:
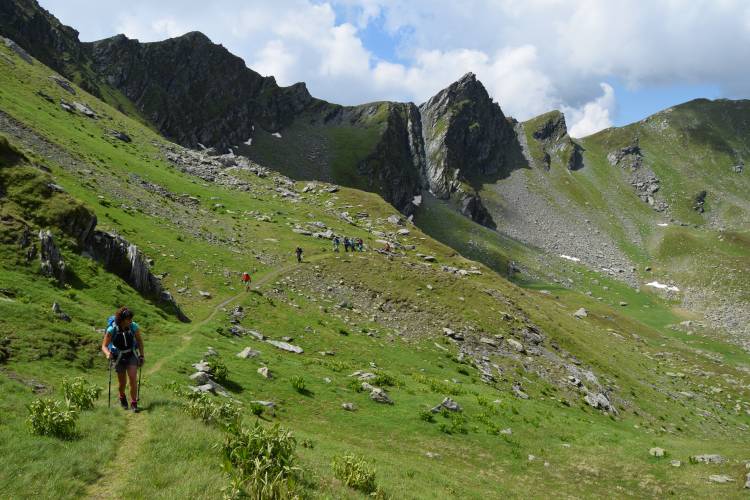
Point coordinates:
[(602, 63)]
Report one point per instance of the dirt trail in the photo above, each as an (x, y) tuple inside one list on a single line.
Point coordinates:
[(116, 473)]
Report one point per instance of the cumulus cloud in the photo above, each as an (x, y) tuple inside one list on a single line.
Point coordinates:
[(532, 55), (593, 116)]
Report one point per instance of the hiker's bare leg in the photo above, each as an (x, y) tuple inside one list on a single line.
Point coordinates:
[(133, 377), (121, 383)]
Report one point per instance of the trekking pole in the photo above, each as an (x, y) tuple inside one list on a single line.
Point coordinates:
[(138, 391), (109, 391)]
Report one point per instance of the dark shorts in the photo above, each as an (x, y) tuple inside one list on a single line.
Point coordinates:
[(126, 360)]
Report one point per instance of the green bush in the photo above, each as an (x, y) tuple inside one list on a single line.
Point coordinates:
[(218, 369), (298, 383), (262, 462), (355, 472), (426, 415), (456, 424), (50, 418), (226, 413), (384, 379), (257, 409), (79, 394)]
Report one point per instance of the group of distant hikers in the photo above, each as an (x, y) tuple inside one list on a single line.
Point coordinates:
[(350, 244)]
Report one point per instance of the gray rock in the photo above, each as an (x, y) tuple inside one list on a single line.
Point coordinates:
[(349, 406), (675, 463), (64, 84), (448, 404), (210, 352), (429, 258), (203, 388), (581, 313), (720, 478), (52, 263), (708, 459), (380, 396), (395, 220), (488, 341), (256, 335), (248, 352), (121, 136), (18, 50), (84, 109), (518, 391), (516, 345), (204, 294), (265, 372), (453, 335), (657, 452), (599, 401), (285, 346), (202, 366), (747, 481), (200, 377)]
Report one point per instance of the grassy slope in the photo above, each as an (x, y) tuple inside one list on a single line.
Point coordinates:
[(173, 456)]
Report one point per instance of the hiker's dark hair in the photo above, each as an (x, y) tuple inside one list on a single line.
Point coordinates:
[(122, 314)]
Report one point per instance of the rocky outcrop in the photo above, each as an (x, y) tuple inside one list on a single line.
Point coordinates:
[(550, 134), (393, 168), (644, 181), (466, 139), (52, 263), (124, 259), (194, 91)]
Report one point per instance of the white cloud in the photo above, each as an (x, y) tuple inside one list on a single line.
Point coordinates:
[(532, 55), (593, 116)]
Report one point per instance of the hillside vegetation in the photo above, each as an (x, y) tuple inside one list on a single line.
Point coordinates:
[(541, 402)]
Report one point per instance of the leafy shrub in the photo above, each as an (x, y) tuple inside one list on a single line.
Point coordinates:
[(426, 415), (298, 382), (226, 413), (50, 418), (355, 472), (257, 409), (456, 424), (262, 462), (218, 369), (79, 394), (384, 379)]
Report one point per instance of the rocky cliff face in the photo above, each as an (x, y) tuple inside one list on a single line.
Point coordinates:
[(47, 39), (549, 132), (466, 139), (195, 91), (394, 167)]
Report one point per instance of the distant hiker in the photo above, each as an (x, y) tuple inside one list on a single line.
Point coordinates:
[(360, 245), (336, 243), (387, 247), (298, 251), (246, 280), (123, 346)]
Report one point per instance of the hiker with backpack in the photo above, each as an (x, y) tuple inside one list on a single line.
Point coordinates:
[(336, 243), (246, 280), (123, 346), (298, 252)]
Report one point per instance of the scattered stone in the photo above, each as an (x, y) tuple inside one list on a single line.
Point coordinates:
[(516, 345), (451, 334), (256, 335), (507, 432), (518, 391), (448, 404), (581, 313), (327, 353), (121, 136), (65, 84), (248, 352), (57, 310), (488, 341), (349, 406), (675, 463), (202, 366), (720, 478), (430, 454), (657, 452), (210, 352), (747, 481), (599, 401), (205, 295), (429, 258), (84, 109), (265, 372), (380, 396), (708, 459), (395, 220), (200, 378), (623, 304), (285, 346)]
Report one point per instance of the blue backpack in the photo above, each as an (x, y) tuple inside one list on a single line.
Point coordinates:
[(121, 342)]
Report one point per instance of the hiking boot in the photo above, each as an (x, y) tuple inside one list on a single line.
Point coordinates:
[(124, 402), (134, 406)]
